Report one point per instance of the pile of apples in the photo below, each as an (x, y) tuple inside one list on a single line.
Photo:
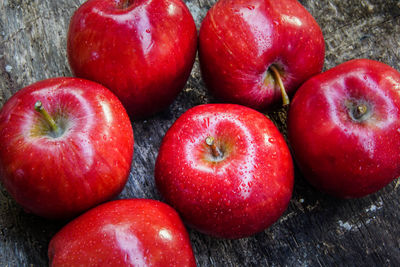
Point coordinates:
[(225, 168)]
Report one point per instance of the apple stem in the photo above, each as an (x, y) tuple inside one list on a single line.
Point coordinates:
[(360, 111), (277, 77), (214, 149), (50, 121)]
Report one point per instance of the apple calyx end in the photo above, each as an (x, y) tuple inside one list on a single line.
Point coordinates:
[(277, 77), (360, 111), (210, 141), (46, 116)]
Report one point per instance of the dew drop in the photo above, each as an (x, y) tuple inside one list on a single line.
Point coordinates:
[(8, 68)]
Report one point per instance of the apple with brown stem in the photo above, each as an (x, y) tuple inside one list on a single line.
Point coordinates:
[(250, 50), (226, 169), (66, 145)]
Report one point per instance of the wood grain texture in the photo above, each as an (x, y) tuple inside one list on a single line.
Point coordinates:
[(316, 230)]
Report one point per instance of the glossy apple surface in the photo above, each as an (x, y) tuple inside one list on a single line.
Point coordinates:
[(344, 128), (240, 40), (236, 193), (61, 174), (131, 232), (141, 50)]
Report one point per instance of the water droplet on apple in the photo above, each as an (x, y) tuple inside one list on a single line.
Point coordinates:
[(272, 140), (95, 55)]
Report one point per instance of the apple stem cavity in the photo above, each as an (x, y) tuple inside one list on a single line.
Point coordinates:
[(358, 112), (123, 4), (278, 80), (214, 149), (46, 116)]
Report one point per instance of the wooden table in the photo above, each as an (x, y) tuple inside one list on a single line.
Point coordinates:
[(315, 230)]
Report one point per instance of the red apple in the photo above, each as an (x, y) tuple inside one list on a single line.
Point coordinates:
[(141, 50), (226, 169), (73, 152), (131, 232), (245, 44), (344, 127)]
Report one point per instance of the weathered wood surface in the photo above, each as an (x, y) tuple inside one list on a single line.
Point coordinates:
[(316, 230)]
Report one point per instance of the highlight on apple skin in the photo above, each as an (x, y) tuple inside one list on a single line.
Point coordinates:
[(344, 128), (226, 169), (66, 145)]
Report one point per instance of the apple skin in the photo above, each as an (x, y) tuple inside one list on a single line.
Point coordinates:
[(143, 52), (60, 177), (342, 155), (238, 195), (240, 39), (130, 232)]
